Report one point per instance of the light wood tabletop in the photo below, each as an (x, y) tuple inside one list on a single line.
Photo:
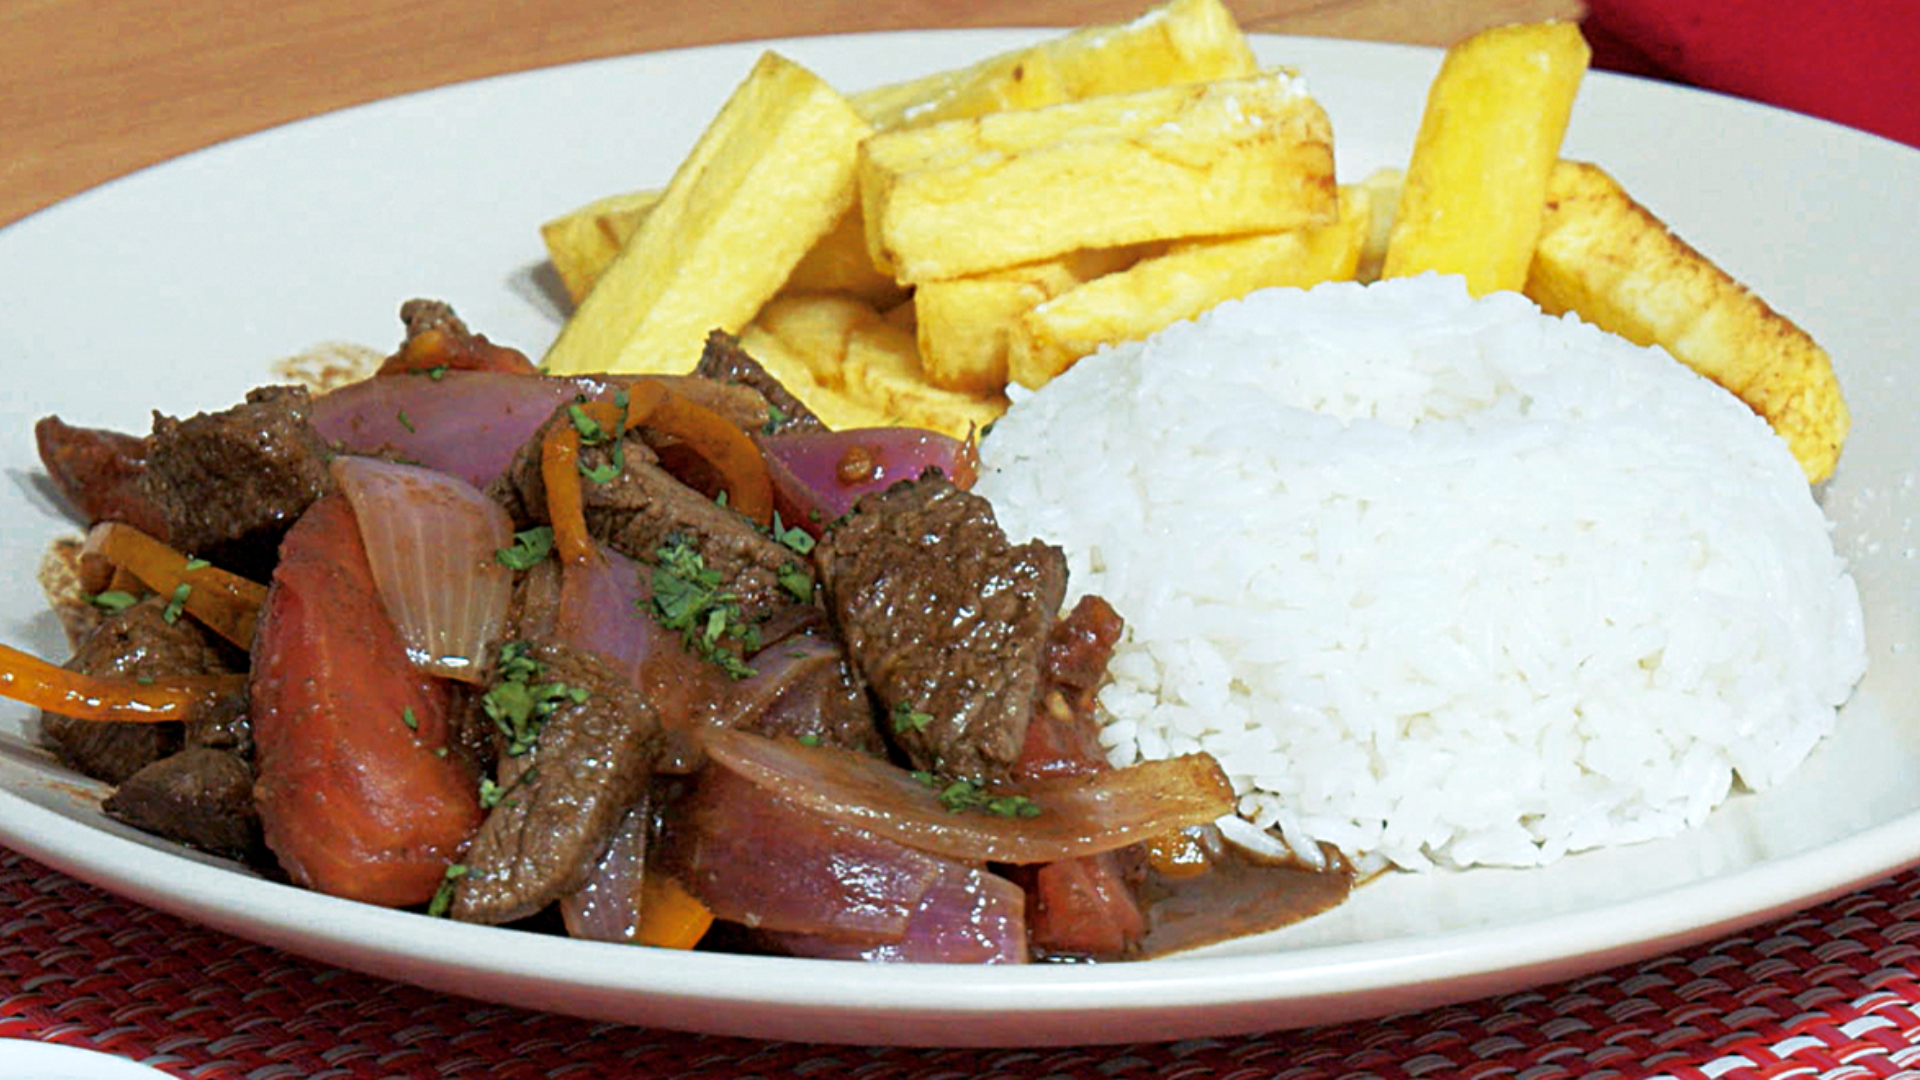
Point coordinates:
[(93, 89)]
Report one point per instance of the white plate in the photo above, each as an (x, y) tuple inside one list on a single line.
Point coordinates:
[(176, 288), (24, 1060)]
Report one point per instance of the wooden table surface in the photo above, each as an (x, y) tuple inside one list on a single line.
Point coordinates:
[(92, 89)]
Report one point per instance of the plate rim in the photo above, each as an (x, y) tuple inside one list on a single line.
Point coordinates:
[(1206, 981)]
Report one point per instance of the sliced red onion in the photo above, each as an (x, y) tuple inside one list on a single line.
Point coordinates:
[(818, 475), (607, 907), (467, 423), (431, 540), (758, 860), (968, 916), (1077, 815)]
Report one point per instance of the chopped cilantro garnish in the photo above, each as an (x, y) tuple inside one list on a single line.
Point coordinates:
[(775, 417), (797, 581), (407, 718), (962, 795), (177, 603), (443, 896), (113, 600), (687, 597), (591, 433), (518, 706), (193, 564), (529, 548), (796, 539), (437, 372), (908, 718), (809, 740), (401, 416)]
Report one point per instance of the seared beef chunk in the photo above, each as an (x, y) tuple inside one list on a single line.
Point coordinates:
[(437, 341), (723, 360), (802, 687), (945, 620), (645, 508), (230, 484), (201, 797), (134, 643), (99, 473), (421, 316), (560, 800)]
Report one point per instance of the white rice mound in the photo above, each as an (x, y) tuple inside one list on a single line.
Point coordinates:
[(1437, 580)]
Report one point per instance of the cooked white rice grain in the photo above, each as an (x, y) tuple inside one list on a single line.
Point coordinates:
[(1438, 580)]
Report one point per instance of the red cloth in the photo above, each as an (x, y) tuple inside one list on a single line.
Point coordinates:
[(1853, 61)]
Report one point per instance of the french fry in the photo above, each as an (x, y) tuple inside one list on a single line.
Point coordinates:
[(836, 408), (1189, 279), (1208, 159), (963, 324), (1383, 187), (851, 349), (1179, 42), (580, 243), (771, 175), (1605, 257), (584, 242), (1491, 132)]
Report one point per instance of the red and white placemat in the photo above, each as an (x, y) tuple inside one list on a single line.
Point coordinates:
[(1830, 993)]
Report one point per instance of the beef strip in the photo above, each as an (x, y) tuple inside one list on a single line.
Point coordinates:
[(644, 508), (230, 484), (723, 360), (562, 799), (200, 797), (945, 620), (131, 644), (99, 473)]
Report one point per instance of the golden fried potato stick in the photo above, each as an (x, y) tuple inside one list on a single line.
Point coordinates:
[(1205, 159), (582, 242), (1491, 132), (1189, 279), (850, 349), (964, 324), (1179, 42), (771, 175), (1604, 257)]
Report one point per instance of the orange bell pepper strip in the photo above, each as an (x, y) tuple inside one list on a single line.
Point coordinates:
[(670, 916), (728, 449), (226, 603), (27, 678)]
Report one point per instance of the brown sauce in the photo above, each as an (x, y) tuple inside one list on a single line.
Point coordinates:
[(1238, 894)]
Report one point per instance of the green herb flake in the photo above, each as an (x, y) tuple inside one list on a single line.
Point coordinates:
[(443, 896), (407, 718), (775, 417), (687, 597), (529, 548), (591, 433), (808, 740), (599, 474), (193, 564), (796, 539), (177, 604), (143, 680), (113, 600), (437, 372), (797, 582), (959, 796), (490, 793), (401, 416), (517, 705), (907, 718)]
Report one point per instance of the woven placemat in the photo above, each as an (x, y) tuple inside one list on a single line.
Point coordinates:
[(1830, 993)]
